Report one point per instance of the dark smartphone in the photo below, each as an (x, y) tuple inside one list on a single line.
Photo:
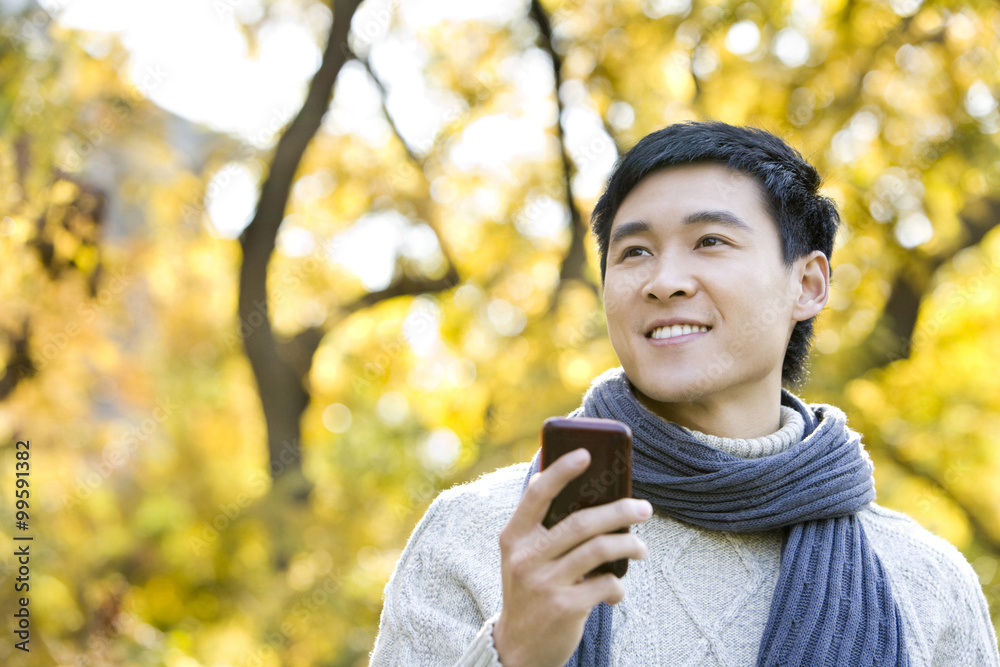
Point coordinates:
[(606, 479)]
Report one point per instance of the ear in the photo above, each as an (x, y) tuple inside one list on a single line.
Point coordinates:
[(812, 272)]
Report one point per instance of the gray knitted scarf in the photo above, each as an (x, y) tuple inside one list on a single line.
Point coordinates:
[(832, 604)]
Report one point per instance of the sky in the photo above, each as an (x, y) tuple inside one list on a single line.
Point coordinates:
[(207, 74)]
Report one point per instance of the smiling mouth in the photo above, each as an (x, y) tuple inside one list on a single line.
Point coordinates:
[(676, 330)]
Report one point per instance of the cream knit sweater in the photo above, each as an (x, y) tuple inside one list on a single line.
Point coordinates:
[(701, 597)]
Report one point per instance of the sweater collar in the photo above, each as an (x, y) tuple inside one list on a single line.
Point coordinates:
[(791, 427)]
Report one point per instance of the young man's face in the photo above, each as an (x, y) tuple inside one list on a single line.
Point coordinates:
[(699, 302)]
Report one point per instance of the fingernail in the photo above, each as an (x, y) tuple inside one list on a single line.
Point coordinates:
[(643, 508)]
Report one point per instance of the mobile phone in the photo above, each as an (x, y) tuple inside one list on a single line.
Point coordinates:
[(606, 479)]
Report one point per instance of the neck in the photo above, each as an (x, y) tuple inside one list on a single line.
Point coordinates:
[(757, 416)]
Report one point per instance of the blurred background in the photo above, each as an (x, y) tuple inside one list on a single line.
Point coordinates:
[(273, 273)]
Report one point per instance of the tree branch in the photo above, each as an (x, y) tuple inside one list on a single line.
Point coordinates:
[(575, 261), (383, 94), (20, 365), (405, 285), (892, 336)]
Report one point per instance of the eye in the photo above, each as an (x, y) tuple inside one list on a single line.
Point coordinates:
[(633, 251), (711, 242)]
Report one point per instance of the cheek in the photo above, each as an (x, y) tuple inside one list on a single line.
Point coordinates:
[(616, 327), (616, 301), (617, 323), (765, 318), (764, 303)]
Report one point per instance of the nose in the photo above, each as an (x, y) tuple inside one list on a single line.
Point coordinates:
[(670, 277)]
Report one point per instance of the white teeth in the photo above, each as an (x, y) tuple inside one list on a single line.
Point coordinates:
[(677, 330)]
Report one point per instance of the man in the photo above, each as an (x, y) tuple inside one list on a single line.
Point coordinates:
[(753, 536)]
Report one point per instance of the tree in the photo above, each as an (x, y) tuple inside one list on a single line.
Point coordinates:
[(465, 154)]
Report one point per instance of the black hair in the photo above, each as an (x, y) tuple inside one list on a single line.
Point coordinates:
[(806, 220)]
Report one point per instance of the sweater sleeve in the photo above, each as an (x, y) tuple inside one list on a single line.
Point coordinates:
[(482, 652), (969, 638), (444, 595), (946, 615)]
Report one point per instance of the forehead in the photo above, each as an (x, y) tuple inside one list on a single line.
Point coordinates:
[(681, 190)]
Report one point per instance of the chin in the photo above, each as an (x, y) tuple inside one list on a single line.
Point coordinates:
[(661, 390), (666, 381)]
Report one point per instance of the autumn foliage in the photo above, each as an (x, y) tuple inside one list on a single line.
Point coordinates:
[(173, 524)]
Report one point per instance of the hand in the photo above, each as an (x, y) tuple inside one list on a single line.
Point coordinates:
[(546, 595)]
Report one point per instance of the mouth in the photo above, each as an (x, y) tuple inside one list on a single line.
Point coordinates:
[(675, 330)]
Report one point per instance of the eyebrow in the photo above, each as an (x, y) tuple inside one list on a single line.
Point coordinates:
[(626, 229), (636, 227), (722, 217)]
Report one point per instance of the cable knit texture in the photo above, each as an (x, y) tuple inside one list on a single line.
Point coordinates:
[(700, 598)]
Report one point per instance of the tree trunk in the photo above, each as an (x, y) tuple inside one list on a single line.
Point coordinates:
[(279, 380)]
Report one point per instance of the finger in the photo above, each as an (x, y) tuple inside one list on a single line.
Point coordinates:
[(575, 565), (602, 588), (585, 524), (544, 486)]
